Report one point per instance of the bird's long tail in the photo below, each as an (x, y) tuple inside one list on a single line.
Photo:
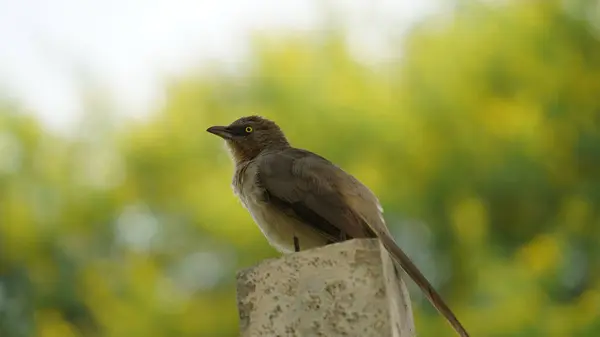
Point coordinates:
[(432, 295)]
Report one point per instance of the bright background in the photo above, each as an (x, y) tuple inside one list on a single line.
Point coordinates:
[(477, 123)]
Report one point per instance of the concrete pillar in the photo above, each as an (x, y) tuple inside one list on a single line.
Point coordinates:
[(343, 289)]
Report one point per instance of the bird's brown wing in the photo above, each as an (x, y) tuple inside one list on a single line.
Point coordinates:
[(303, 184), (321, 195)]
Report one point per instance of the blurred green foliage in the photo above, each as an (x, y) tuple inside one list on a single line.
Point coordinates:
[(482, 141)]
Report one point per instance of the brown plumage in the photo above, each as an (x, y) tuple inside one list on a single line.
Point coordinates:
[(301, 200)]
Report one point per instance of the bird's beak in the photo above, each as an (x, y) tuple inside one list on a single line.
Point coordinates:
[(221, 131)]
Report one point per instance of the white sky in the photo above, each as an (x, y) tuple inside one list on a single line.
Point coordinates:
[(130, 44)]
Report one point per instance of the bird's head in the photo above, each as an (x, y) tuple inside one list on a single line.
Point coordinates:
[(248, 136)]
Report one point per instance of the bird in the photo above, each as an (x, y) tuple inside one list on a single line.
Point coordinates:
[(301, 200)]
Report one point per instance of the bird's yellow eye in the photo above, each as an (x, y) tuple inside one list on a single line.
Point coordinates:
[(249, 129)]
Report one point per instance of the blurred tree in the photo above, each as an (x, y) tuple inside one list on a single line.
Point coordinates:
[(482, 141)]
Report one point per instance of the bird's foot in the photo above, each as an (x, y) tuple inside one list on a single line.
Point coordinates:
[(296, 244)]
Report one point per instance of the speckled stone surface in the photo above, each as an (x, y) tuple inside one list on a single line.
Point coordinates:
[(344, 289)]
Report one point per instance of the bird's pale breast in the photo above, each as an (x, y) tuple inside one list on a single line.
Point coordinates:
[(278, 227)]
